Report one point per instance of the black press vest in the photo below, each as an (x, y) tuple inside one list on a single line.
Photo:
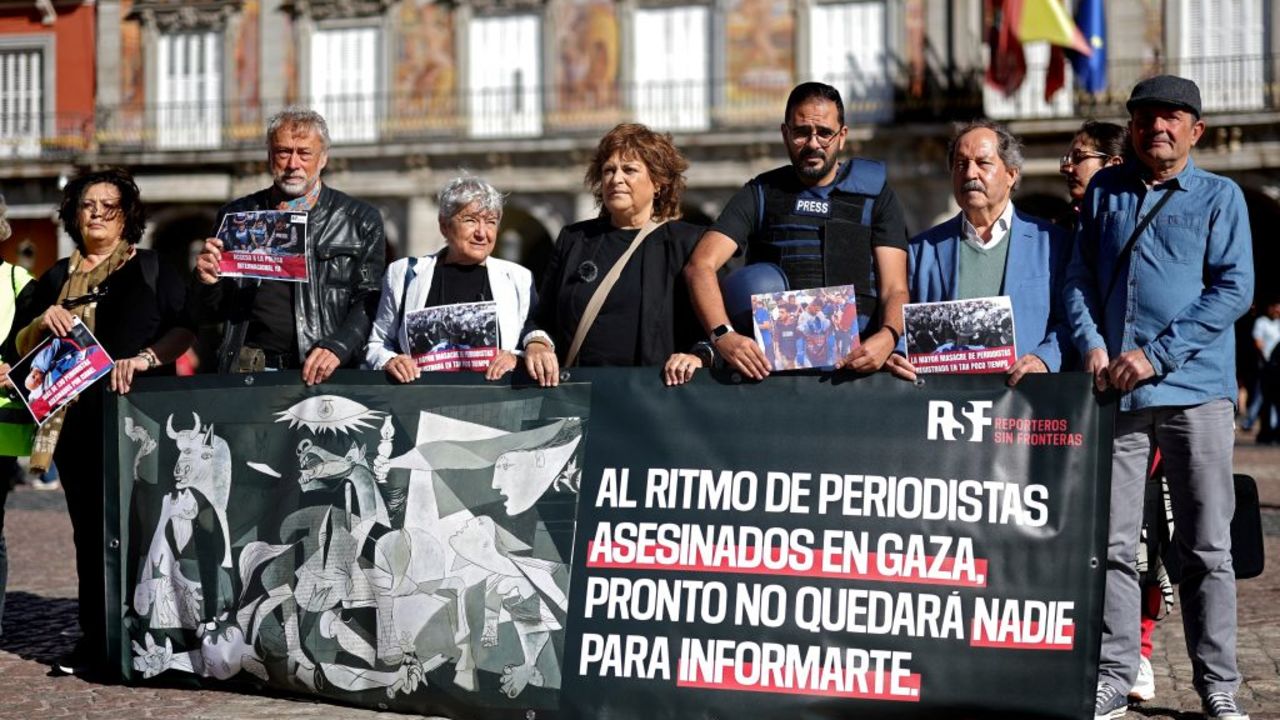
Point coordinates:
[(820, 243)]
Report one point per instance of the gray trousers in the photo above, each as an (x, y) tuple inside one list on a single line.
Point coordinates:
[(1196, 444)]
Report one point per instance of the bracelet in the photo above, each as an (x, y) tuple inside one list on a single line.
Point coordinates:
[(896, 335), (149, 357)]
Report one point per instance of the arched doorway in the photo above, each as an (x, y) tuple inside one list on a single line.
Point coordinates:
[(523, 239), (179, 233), (1044, 205), (1264, 213)]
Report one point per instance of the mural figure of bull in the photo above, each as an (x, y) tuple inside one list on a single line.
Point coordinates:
[(204, 466)]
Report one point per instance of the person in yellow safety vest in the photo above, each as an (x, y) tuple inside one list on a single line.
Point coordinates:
[(15, 422)]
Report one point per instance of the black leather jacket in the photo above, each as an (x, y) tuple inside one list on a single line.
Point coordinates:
[(334, 310)]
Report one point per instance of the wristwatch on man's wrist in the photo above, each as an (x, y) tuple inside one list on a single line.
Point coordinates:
[(720, 331)]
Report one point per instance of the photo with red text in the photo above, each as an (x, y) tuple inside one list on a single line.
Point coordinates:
[(961, 336), (59, 369), (449, 338), (264, 244)]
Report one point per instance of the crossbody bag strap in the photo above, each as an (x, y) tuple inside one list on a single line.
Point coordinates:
[(602, 292), (1133, 240)]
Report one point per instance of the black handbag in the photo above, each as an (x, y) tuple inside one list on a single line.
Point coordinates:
[(1247, 553)]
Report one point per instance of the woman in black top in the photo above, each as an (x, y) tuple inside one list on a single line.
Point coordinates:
[(636, 177), (134, 305)]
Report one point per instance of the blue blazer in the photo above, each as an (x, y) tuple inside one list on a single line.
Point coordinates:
[(1034, 275)]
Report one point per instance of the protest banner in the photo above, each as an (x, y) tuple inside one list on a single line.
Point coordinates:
[(804, 546)]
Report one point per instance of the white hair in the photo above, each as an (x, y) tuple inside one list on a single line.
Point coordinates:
[(298, 117), (460, 192)]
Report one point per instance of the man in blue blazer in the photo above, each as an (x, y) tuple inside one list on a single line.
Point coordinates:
[(991, 248)]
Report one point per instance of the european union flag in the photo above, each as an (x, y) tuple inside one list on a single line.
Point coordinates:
[(1091, 70)]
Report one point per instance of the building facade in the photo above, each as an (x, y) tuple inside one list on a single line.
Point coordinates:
[(519, 91), (46, 116)]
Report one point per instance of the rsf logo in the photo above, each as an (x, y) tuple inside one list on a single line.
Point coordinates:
[(942, 419)]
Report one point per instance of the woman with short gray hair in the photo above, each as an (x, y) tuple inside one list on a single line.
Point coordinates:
[(479, 303)]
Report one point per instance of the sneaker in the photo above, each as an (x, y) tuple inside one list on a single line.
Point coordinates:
[(40, 483), (1223, 706), (1109, 703), (71, 663), (1144, 690)]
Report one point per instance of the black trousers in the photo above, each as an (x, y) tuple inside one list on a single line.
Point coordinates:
[(79, 459)]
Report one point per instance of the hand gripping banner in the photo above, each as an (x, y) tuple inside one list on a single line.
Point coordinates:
[(612, 548)]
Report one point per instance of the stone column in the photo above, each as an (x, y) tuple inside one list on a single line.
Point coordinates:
[(422, 235)]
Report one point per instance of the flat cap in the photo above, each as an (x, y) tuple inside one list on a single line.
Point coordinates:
[(1169, 90)]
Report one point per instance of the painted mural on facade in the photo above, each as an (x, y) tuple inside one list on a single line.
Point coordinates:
[(760, 55), (587, 40), (425, 81)]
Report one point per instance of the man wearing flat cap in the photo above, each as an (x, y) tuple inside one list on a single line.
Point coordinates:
[(1162, 268)]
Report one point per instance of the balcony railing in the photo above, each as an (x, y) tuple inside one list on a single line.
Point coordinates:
[(1228, 85)]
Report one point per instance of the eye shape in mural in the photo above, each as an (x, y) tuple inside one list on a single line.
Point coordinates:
[(324, 413)]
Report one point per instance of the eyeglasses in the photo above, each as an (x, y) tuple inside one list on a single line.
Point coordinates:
[(1078, 158), (801, 135), (473, 220), (106, 207)]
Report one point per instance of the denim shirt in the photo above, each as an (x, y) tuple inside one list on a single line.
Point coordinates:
[(1178, 295)]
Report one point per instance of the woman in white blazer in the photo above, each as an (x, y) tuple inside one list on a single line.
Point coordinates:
[(461, 272)]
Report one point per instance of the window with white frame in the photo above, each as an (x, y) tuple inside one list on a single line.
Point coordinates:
[(189, 90), (345, 81), (24, 99), (504, 55), (1028, 100), (1221, 49), (672, 67), (848, 51)]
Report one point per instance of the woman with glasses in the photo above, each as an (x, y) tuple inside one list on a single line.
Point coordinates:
[(640, 245), (1095, 146), (135, 307)]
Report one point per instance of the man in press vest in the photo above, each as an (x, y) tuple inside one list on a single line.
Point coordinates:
[(824, 222)]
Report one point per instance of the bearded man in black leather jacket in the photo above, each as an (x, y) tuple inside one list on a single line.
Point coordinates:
[(319, 325)]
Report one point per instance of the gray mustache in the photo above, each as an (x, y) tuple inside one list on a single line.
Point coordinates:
[(973, 185)]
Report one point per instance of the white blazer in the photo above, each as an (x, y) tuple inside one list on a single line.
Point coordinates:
[(511, 284)]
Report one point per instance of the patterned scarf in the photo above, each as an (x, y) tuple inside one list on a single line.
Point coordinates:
[(80, 283), (305, 202)]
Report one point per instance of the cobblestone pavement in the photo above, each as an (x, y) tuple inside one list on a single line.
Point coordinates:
[(40, 617)]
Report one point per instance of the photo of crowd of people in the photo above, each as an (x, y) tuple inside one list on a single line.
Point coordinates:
[(806, 329), (974, 335), (462, 336), (266, 244)]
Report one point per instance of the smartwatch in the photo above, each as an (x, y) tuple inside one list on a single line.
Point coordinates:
[(720, 331)]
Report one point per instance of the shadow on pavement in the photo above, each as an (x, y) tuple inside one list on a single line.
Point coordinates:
[(1162, 712), (38, 628)]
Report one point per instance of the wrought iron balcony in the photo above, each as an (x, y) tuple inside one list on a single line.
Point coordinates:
[(894, 97)]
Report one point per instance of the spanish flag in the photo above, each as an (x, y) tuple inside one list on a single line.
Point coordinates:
[(1048, 20)]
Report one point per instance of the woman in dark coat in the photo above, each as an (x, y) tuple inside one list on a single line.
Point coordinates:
[(646, 319), (134, 305)]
